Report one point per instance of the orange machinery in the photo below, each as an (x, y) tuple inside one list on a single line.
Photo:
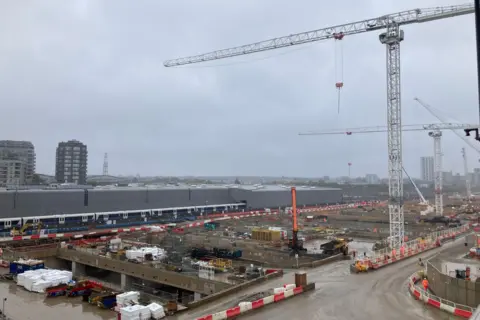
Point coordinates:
[(295, 245)]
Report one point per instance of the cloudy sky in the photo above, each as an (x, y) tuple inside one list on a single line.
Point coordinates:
[(93, 71)]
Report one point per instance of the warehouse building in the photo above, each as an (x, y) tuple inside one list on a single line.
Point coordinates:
[(24, 203)]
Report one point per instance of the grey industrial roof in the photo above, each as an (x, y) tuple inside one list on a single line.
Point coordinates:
[(255, 188)]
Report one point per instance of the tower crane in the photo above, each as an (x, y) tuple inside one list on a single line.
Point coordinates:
[(438, 171), (391, 37), (467, 175), (443, 120), (435, 132)]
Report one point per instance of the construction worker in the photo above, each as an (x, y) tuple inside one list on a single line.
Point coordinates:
[(425, 284), (420, 263)]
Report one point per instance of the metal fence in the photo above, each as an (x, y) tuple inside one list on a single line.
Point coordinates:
[(420, 244), (425, 295)]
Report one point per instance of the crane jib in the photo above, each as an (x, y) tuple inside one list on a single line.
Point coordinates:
[(379, 23)]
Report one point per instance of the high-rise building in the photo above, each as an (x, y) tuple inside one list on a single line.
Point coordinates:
[(12, 153), (427, 168), (71, 162), (12, 172)]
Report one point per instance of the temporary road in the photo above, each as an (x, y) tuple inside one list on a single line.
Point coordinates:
[(339, 295)]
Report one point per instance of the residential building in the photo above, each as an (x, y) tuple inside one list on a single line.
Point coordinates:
[(71, 162), (12, 172), (427, 168), (23, 151)]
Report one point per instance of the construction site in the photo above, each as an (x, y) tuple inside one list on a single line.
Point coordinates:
[(188, 269)]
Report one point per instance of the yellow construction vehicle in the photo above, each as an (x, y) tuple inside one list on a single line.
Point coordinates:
[(359, 266), (25, 228), (222, 264)]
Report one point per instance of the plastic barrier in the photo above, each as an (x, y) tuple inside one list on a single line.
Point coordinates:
[(99, 232), (244, 307), (341, 206), (437, 302), (386, 256)]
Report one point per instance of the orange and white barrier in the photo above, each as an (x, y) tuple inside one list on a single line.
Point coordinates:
[(386, 256), (244, 307), (437, 302), (100, 232)]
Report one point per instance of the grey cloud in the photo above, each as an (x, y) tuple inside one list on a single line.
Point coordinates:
[(92, 70)]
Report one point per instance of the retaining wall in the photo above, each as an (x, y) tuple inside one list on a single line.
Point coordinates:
[(453, 289), (236, 288), (437, 302), (245, 307)]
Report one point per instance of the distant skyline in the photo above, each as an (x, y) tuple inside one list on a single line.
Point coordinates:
[(92, 71)]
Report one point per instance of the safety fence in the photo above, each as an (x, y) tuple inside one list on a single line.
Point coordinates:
[(97, 232), (288, 290), (437, 302), (387, 256)]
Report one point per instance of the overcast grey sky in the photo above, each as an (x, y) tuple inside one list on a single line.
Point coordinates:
[(92, 70)]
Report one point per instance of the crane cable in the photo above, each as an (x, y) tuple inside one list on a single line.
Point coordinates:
[(338, 37)]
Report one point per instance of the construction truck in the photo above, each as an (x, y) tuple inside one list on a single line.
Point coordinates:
[(335, 246)]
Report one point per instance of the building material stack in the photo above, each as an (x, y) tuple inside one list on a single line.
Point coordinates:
[(266, 235)]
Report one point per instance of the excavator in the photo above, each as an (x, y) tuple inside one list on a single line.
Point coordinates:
[(296, 245), (25, 228)]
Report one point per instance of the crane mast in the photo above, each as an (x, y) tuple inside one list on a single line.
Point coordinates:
[(391, 38), (437, 164), (467, 175)]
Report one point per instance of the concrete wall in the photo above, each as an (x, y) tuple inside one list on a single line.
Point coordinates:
[(35, 203), (157, 275), (283, 198), (456, 290), (234, 289)]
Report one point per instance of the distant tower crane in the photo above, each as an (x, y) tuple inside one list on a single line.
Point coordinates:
[(467, 175), (437, 164), (392, 37), (443, 120), (435, 132)]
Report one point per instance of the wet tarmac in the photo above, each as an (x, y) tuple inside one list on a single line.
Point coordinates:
[(339, 295)]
